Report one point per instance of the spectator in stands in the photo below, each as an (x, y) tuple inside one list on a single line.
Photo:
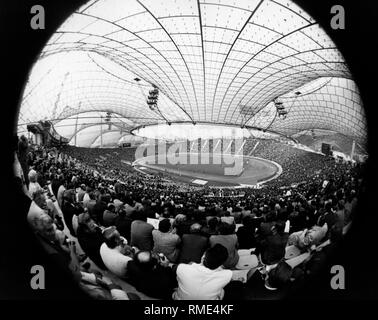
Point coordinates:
[(99, 208), (100, 287), (191, 277), (350, 205), (87, 196), (129, 206), (80, 192), (52, 210), (60, 249), (69, 209), (152, 275), (297, 219), (237, 214), (55, 184), (319, 259), (123, 225), (115, 253), (229, 240), (329, 217), (60, 192), (273, 285), (182, 224), (37, 209), (272, 247), (227, 218), (119, 188), (141, 232), (212, 227), (246, 233), (23, 150), (266, 227), (166, 241), (278, 277), (90, 238), (109, 216), (34, 186), (340, 213), (193, 245), (306, 238)]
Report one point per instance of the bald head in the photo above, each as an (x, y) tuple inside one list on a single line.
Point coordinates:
[(144, 257), (145, 260), (195, 228)]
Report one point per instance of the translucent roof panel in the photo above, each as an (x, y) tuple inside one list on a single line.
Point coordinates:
[(335, 105), (71, 126), (213, 61)]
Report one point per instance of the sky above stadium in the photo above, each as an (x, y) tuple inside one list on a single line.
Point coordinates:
[(213, 61)]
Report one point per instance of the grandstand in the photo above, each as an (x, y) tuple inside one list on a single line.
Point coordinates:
[(181, 142)]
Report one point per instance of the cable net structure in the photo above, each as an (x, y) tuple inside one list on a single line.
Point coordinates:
[(211, 61)]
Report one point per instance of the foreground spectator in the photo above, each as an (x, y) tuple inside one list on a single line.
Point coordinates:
[(246, 233), (123, 225), (193, 245), (69, 209), (152, 275), (165, 241), (90, 238), (34, 186), (192, 277), (115, 253), (141, 232), (212, 227), (109, 216), (229, 240), (272, 247)]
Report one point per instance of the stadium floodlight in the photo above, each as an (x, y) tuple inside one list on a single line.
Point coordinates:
[(282, 113)]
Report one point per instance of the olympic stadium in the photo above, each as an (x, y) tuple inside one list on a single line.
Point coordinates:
[(187, 142)]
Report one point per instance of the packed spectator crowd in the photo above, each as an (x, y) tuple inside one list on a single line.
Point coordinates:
[(174, 241), (297, 164)]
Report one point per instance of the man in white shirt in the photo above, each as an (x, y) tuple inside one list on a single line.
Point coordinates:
[(204, 281), (113, 252)]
